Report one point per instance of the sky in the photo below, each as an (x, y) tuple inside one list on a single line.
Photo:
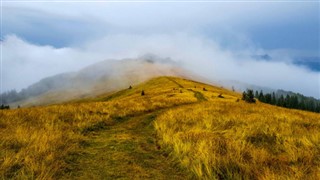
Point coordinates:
[(221, 40)]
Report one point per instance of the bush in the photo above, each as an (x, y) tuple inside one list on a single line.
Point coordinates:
[(4, 106), (248, 96)]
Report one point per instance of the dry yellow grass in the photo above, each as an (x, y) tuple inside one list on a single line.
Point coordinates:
[(212, 137), (34, 142), (224, 139)]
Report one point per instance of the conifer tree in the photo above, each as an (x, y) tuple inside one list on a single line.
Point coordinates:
[(268, 98), (248, 96), (273, 99), (244, 95), (261, 97), (256, 95)]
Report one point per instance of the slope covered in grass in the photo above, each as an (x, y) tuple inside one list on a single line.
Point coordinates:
[(37, 142), (179, 128), (227, 140), (99, 78)]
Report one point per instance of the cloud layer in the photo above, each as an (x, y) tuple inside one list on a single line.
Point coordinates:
[(26, 63), (217, 40)]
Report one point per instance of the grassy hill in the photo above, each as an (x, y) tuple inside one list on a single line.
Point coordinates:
[(91, 81), (180, 129)]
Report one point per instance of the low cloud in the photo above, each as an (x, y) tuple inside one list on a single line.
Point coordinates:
[(24, 63)]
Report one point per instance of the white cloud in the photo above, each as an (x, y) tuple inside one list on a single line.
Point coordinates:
[(176, 30), (25, 63)]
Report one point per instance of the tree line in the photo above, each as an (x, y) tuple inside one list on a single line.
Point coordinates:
[(12, 96), (4, 107), (282, 99)]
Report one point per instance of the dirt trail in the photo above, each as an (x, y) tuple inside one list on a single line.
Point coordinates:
[(127, 150), (197, 94)]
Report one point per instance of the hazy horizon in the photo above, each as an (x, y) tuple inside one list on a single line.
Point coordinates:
[(267, 44)]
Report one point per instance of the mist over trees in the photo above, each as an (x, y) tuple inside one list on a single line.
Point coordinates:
[(43, 86), (289, 100), (11, 96), (14, 96)]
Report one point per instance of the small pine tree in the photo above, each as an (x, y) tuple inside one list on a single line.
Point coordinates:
[(281, 101), (142, 93), (256, 95), (261, 97), (244, 95), (268, 98), (295, 102), (248, 96), (273, 99)]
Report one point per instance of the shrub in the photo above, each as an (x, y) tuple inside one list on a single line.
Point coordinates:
[(4, 106), (248, 96)]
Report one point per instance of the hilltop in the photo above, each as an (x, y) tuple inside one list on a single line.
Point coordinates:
[(103, 77), (179, 129)]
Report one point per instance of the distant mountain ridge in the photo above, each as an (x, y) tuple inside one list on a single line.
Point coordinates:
[(112, 75), (102, 77)]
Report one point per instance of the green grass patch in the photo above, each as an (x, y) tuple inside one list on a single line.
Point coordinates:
[(102, 125), (198, 95)]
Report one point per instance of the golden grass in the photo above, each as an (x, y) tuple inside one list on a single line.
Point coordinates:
[(34, 142), (223, 139), (212, 137)]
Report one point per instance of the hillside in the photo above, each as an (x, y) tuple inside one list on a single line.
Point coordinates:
[(93, 80), (180, 129)]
